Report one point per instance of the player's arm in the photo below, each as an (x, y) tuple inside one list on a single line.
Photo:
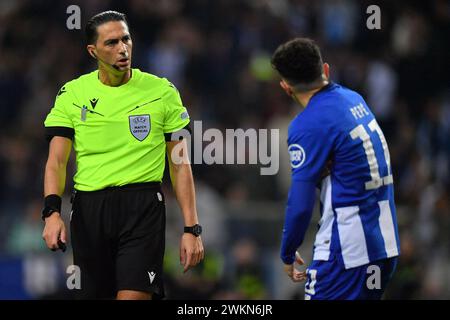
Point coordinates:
[(54, 182), (299, 209), (298, 214), (191, 247), (309, 147)]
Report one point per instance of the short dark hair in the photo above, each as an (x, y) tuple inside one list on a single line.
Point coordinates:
[(99, 19), (298, 61)]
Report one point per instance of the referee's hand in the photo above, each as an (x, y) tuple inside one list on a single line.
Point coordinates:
[(191, 251), (54, 232)]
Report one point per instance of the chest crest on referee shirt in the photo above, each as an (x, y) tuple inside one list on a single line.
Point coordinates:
[(140, 126)]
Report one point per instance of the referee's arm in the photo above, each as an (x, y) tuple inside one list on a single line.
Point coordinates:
[(191, 247), (54, 182)]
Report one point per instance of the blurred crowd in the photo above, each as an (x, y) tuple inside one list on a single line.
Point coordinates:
[(217, 53)]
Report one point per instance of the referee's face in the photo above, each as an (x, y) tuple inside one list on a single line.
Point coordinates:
[(114, 45)]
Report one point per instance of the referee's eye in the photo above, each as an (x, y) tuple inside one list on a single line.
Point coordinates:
[(111, 43)]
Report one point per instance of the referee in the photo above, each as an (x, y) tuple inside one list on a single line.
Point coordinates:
[(120, 121)]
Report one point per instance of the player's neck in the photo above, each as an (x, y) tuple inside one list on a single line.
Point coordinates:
[(113, 78), (303, 98)]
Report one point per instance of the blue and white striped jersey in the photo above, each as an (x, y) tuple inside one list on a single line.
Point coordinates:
[(358, 219)]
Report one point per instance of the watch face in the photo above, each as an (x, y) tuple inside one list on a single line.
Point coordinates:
[(197, 229)]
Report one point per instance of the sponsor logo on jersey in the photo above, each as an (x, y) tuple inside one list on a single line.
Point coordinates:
[(297, 155), (61, 91), (93, 102)]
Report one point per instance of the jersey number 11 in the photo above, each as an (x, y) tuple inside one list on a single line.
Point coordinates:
[(361, 133)]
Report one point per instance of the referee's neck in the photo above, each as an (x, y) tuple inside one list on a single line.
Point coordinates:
[(113, 78)]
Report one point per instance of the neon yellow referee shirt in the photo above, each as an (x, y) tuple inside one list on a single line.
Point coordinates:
[(119, 133)]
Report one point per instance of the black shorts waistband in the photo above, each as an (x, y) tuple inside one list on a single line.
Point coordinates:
[(142, 185)]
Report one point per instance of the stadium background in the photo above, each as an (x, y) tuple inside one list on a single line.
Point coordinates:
[(217, 54)]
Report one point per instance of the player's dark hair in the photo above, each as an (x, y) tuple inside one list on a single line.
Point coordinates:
[(298, 61), (99, 19)]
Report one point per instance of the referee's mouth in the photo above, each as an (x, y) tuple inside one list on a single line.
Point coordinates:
[(123, 62)]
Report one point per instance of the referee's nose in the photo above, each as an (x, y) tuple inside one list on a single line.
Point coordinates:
[(123, 51)]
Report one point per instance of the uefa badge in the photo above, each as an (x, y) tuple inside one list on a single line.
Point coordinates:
[(140, 126), (297, 155)]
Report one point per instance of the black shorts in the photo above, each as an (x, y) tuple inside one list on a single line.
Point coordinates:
[(118, 240)]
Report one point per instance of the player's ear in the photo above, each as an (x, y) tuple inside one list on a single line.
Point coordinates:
[(286, 87), (326, 70), (91, 49)]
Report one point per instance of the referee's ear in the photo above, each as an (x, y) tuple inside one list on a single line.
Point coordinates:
[(91, 49)]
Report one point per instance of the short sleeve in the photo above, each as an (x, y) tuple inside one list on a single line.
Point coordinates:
[(309, 151), (58, 122), (176, 115)]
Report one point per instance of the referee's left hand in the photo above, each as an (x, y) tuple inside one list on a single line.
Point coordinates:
[(54, 233), (191, 251)]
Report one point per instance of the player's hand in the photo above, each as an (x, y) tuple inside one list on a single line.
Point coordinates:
[(54, 232), (191, 251), (292, 272)]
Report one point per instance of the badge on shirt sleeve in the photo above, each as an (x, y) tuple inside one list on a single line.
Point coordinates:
[(140, 126), (297, 155), (184, 115)]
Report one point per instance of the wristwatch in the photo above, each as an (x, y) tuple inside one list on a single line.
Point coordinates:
[(47, 212), (196, 230)]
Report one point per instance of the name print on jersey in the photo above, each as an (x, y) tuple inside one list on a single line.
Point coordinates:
[(359, 111)]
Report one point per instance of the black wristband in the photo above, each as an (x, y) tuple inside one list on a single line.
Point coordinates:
[(52, 203)]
